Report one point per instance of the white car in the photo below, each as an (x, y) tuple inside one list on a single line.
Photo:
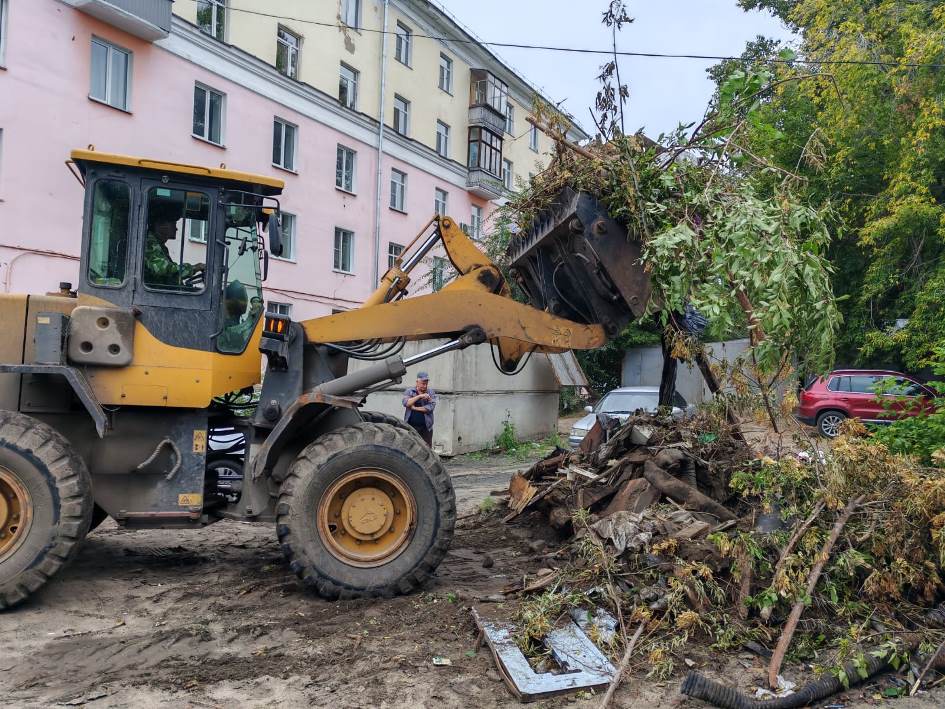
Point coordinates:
[(619, 404)]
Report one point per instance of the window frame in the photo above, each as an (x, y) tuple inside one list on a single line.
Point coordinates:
[(439, 192), (438, 268), (402, 208), (404, 113), (289, 237), (4, 21), (445, 134), (403, 44), (355, 80), (277, 310), (488, 151), (508, 176), (533, 139), (111, 48), (129, 252), (445, 71), (206, 115), (393, 251), (344, 149), (280, 30), (509, 118), (295, 145), (149, 186), (345, 11), (341, 231), (217, 6), (475, 222)]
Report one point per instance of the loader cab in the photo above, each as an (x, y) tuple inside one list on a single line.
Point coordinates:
[(183, 248)]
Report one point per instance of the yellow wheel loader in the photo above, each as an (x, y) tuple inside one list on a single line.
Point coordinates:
[(109, 393)]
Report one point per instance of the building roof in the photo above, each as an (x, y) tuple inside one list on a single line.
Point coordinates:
[(265, 184)]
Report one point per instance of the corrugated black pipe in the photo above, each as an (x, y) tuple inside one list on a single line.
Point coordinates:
[(698, 686)]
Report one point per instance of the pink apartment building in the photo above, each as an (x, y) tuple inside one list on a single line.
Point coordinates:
[(130, 76)]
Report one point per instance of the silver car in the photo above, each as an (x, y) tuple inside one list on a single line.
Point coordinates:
[(619, 404)]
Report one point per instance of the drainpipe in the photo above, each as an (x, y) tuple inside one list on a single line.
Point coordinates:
[(380, 153)]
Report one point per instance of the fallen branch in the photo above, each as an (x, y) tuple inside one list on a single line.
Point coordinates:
[(785, 640), (682, 493), (792, 542), (937, 655), (625, 660)]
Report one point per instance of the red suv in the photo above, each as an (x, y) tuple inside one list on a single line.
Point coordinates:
[(851, 393)]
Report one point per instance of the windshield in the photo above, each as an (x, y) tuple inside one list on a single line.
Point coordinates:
[(626, 402), (242, 302)]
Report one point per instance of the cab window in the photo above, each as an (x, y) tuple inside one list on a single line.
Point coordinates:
[(108, 245), (241, 301), (173, 262)]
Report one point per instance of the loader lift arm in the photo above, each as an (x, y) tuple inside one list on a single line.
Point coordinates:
[(577, 254)]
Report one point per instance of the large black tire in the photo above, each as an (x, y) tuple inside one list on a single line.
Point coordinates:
[(365, 446), (42, 462), (378, 417)]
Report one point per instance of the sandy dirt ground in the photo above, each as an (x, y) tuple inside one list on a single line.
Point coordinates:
[(213, 618)]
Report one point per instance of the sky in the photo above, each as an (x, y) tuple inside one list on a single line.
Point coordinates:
[(663, 92)]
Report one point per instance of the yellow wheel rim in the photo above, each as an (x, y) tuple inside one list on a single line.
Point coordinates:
[(366, 517), (16, 513)]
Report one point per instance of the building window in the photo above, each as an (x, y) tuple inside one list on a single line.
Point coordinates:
[(348, 87), (509, 118), (439, 201), (487, 90), (476, 222), (275, 308), (111, 73), (197, 230), (288, 45), (438, 273), (351, 13), (283, 144), (446, 73), (393, 253), (485, 151), (404, 39), (3, 29), (442, 139), (344, 250), (208, 114), (344, 169), (401, 115), (533, 139), (398, 190), (211, 18), (288, 237), (507, 174)]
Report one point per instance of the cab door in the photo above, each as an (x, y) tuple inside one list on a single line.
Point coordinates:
[(175, 275)]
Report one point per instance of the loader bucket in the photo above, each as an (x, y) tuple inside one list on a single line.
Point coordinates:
[(578, 263)]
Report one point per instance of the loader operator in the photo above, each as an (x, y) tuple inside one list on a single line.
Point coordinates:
[(160, 269)]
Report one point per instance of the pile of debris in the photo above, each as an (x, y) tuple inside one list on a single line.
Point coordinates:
[(683, 535)]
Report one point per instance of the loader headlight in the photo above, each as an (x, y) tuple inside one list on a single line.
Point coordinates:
[(276, 327)]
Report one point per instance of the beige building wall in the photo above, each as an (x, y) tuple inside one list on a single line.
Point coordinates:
[(325, 46)]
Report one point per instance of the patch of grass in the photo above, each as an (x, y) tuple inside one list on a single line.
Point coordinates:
[(487, 506)]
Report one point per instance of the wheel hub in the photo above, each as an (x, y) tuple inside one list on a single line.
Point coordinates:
[(16, 513), (366, 517)]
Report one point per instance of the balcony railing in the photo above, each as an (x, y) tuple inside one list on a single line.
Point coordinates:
[(484, 185), (147, 19)]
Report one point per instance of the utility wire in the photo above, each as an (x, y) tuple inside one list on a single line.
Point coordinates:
[(607, 52)]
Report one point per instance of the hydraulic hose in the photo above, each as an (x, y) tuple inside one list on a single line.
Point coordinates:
[(698, 686)]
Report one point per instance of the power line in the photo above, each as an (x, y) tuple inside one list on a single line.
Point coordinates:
[(609, 52)]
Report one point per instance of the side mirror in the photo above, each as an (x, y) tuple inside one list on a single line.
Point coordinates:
[(275, 235), (588, 409)]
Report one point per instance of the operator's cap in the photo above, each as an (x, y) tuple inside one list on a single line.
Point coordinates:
[(423, 376)]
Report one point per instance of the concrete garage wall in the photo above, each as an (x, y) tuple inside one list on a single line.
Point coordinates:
[(644, 365), (475, 399)]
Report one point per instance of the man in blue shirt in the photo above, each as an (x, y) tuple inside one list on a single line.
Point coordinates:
[(419, 402)]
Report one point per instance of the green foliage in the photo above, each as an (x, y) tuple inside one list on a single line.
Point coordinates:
[(868, 140), (507, 441), (487, 506)]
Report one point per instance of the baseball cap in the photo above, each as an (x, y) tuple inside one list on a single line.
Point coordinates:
[(423, 376)]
